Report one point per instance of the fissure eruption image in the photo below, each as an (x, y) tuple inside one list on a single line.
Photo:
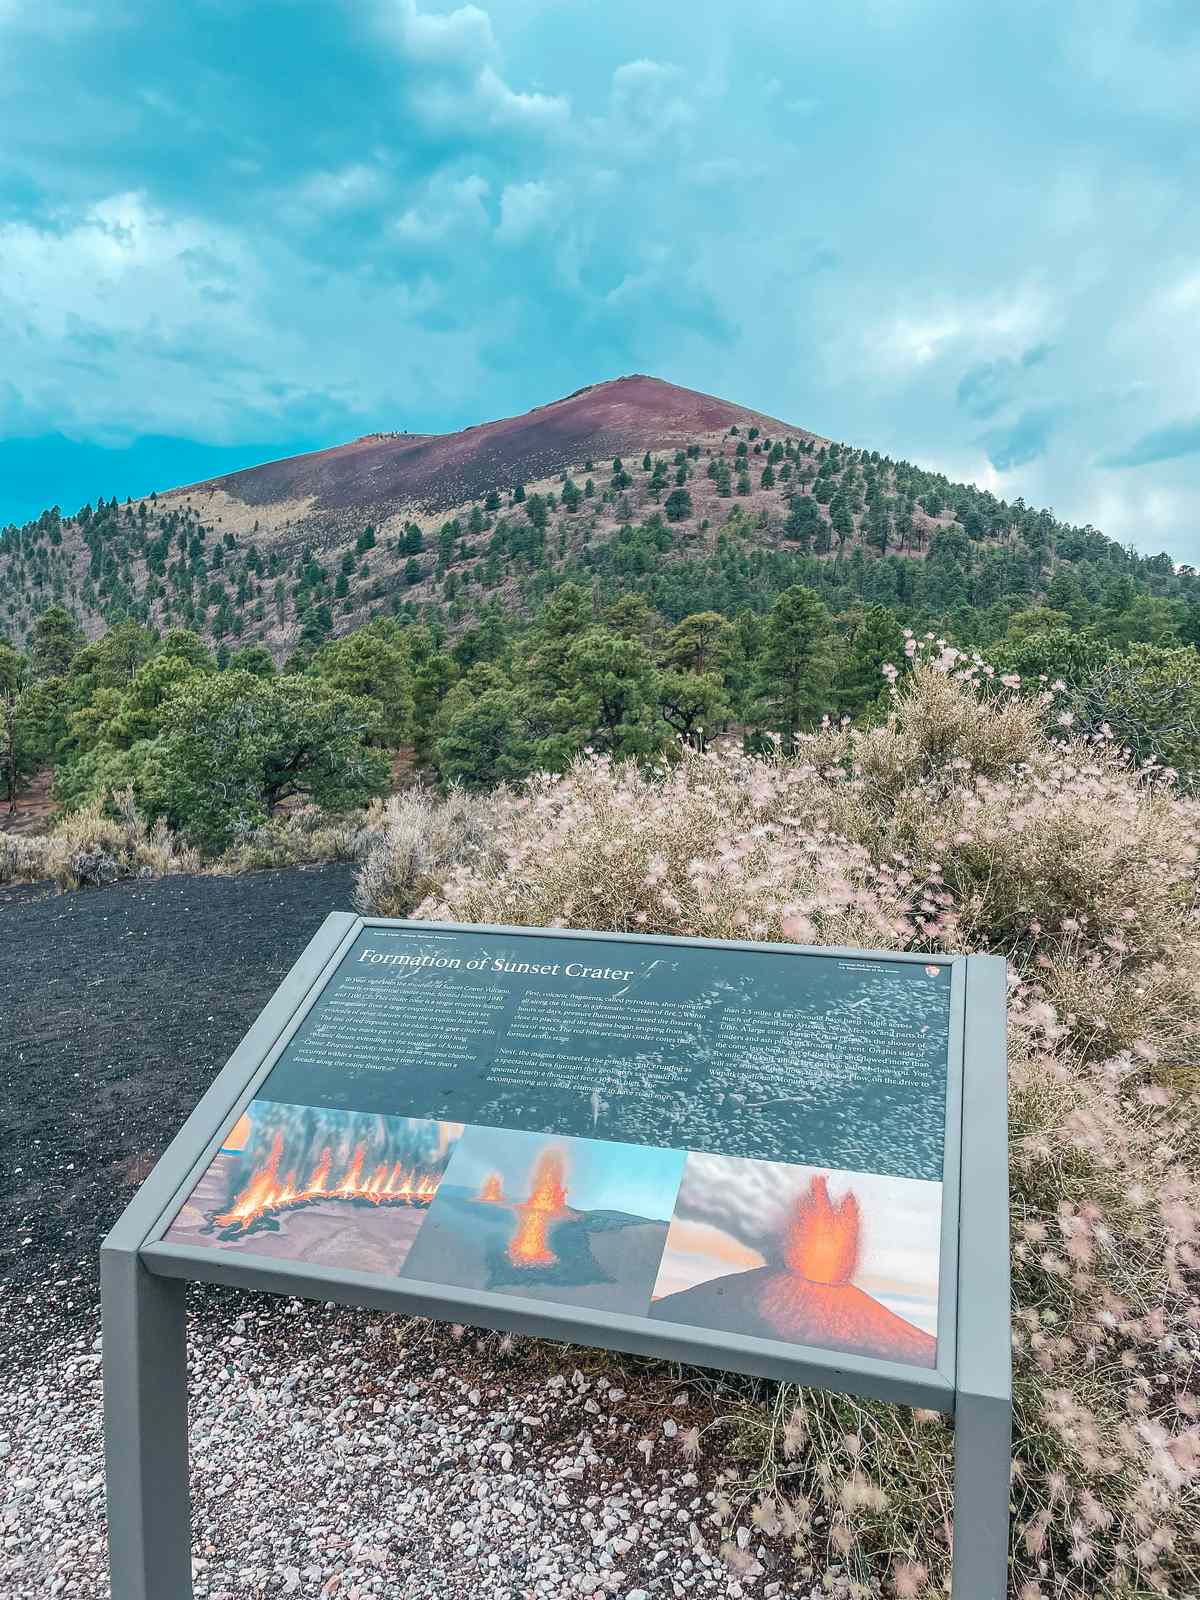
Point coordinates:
[(581, 1221), (341, 1188), (845, 1261)]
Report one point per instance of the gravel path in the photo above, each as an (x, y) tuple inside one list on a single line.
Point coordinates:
[(334, 1452)]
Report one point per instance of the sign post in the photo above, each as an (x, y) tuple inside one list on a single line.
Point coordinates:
[(742, 1155)]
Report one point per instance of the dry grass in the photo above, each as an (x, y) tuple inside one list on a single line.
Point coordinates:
[(304, 837), (958, 825), (90, 849), (414, 839)]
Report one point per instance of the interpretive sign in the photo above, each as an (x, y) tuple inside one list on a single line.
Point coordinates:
[(745, 1155)]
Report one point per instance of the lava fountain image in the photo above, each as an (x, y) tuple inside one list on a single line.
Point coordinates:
[(548, 1217), (821, 1248), (345, 1189), (547, 1202), (283, 1159), (492, 1189), (822, 1239)]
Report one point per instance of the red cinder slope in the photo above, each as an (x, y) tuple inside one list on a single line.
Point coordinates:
[(436, 471)]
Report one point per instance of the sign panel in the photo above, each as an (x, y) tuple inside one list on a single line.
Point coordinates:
[(747, 1141)]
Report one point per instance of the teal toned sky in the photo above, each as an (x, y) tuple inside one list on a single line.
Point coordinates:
[(959, 233), (600, 1176)]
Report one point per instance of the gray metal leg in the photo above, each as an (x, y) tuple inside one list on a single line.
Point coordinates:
[(982, 1460), (145, 1430), (983, 1379)]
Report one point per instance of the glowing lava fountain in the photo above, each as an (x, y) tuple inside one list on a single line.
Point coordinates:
[(822, 1238), (547, 1202), (492, 1189), (266, 1192), (811, 1297)]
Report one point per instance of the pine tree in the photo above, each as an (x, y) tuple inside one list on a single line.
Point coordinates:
[(678, 505), (795, 665)]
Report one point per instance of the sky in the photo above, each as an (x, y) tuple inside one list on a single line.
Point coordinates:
[(964, 235), (600, 1175)]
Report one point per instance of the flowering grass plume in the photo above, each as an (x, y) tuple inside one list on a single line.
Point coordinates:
[(960, 823)]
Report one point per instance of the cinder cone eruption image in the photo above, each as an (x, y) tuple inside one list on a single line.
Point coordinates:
[(319, 1185), (582, 1221), (800, 1264)]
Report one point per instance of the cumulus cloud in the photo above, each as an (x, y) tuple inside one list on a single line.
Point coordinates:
[(460, 37), (131, 321), (523, 208), (321, 196), (457, 219), (648, 102), (1161, 444), (447, 208), (486, 103)]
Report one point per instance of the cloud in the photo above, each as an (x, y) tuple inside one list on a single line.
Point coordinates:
[(648, 103), (917, 335), (974, 249), (510, 108), (487, 103), (1023, 441), (985, 388), (321, 196), (989, 386), (445, 210), (523, 207), (462, 36), (1146, 58), (1163, 444)]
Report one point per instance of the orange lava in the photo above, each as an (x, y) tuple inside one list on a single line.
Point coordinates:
[(528, 1246), (265, 1193), (492, 1189), (815, 1301), (822, 1238)]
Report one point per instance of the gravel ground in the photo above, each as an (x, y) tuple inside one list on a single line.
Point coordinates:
[(334, 1452), (349, 1454)]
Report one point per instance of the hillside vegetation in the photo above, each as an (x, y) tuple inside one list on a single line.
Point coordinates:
[(697, 505), (957, 825), (751, 578)]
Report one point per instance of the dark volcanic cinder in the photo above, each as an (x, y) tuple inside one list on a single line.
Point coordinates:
[(118, 1006)]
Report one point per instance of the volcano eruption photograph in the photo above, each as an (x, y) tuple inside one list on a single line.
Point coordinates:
[(843, 1260), (580, 1221), (347, 1189)]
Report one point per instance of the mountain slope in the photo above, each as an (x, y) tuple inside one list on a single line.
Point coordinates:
[(382, 474), (629, 485)]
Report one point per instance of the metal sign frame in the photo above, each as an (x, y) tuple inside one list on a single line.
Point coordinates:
[(143, 1282)]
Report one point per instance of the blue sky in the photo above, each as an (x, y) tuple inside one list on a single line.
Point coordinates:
[(600, 1176), (962, 234)]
